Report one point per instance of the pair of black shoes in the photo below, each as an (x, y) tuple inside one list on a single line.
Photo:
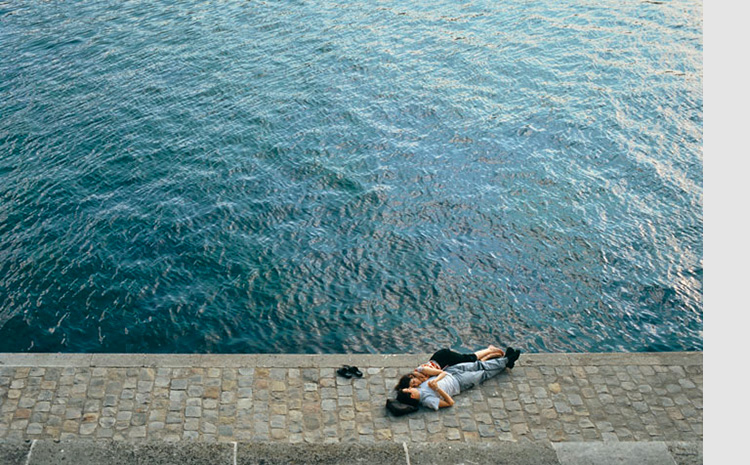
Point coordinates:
[(347, 372), (512, 355)]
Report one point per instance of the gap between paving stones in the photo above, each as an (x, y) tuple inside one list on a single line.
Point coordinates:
[(299, 399)]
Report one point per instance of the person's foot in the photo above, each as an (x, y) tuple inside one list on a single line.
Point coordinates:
[(512, 355), (496, 349)]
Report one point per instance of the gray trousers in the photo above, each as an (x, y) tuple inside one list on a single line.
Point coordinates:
[(470, 374)]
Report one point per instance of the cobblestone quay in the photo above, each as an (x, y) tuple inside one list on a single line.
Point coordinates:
[(299, 399)]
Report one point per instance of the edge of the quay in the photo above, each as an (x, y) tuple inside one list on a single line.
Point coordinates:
[(328, 360)]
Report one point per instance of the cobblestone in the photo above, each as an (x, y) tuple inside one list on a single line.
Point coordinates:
[(605, 397)]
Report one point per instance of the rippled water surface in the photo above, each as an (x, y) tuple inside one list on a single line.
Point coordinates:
[(356, 176)]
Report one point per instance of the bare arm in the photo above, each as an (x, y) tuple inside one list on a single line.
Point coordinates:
[(429, 371), (446, 403), (445, 399)]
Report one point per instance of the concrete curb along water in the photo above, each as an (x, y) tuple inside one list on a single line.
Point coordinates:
[(208, 360), (325, 360)]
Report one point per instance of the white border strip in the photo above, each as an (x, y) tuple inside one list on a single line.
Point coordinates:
[(28, 457)]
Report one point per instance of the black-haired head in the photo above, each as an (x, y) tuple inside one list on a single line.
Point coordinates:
[(405, 398), (403, 383)]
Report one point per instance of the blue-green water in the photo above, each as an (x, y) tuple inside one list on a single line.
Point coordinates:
[(350, 176)]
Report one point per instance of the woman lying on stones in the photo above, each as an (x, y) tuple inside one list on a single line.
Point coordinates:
[(444, 358), (439, 390)]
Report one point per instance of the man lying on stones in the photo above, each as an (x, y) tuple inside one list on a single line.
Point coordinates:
[(438, 391), (442, 359)]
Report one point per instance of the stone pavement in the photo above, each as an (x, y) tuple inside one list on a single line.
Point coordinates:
[(554, 401)]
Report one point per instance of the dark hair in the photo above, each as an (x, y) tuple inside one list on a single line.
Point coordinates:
[(403, 383), (398, 409), (405, 398)]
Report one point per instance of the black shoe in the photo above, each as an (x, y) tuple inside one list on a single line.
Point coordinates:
[(512, 355), (355, 372), (345, 371)]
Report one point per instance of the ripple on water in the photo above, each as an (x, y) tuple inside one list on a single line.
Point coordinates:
[(349, 177)]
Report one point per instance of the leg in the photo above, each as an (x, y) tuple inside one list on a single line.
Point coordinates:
[(469, 375), (447, 357), (489, 353), (481, 354)]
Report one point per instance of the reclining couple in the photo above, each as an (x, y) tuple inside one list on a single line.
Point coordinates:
[(448, 373)]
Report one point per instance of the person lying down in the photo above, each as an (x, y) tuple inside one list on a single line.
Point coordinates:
[(438, 391), (441, 360)]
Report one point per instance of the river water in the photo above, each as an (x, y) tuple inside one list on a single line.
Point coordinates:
[(350, 176)]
